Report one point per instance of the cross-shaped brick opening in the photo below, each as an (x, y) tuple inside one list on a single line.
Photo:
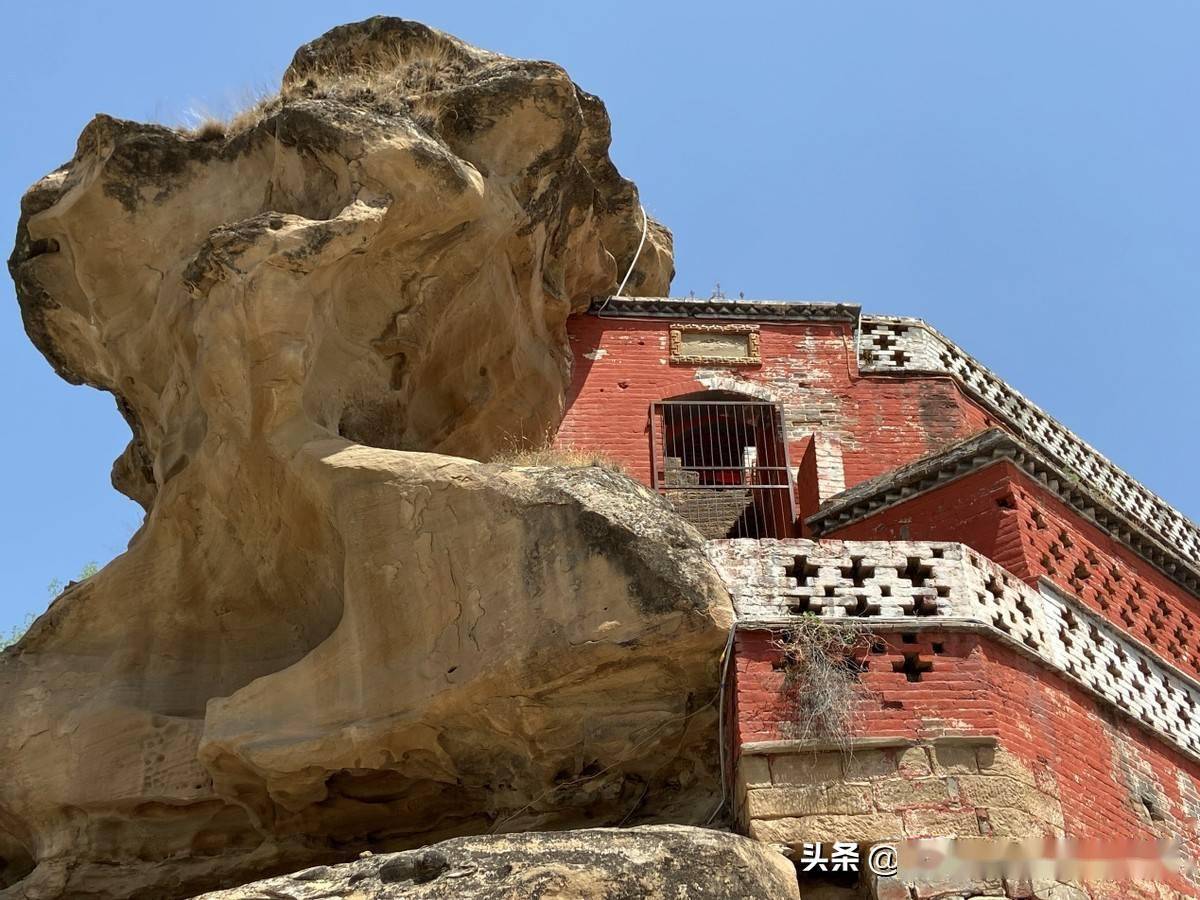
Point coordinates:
[(1160, 697), (856, 573), (802, 570), (863, 607), (1113, 670), (915, 572), (913, 666), (924, 605), (994, 588)]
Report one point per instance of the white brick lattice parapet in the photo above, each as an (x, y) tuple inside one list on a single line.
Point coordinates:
[(916, 584), (909, 346)]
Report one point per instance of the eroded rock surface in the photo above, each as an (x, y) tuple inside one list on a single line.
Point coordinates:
[(650, 863), (328, 635)]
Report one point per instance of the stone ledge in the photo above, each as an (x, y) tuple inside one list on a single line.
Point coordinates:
[(864, 743)]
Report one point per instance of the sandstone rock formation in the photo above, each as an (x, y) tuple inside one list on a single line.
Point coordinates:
[(327, 635), (660, 862)]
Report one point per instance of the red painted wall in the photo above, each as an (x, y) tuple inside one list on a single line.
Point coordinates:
[(1012, 519), (973, 687), (968, 685), (622, 366)]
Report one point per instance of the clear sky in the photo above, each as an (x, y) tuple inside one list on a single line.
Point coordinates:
[(1025, 175)]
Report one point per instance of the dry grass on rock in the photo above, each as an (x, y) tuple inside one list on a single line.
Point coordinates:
[(400, 81), (560, 457)]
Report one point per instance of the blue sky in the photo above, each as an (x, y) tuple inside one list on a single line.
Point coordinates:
[(1024, 175)]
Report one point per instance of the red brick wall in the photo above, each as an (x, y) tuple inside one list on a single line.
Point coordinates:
[(622, 366), (1012, 519), (1097, 765), (1108, 577), (978, 509)]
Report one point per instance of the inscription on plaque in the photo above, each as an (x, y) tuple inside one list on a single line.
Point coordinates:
[(736, 345)]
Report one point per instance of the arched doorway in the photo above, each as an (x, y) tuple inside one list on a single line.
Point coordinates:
[(721, 459)]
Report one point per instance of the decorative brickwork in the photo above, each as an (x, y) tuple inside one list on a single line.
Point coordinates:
[(896, 345), (938, 685), (989, 448), (1016, 521), (868, 425), (910, 584), (1032, 662)]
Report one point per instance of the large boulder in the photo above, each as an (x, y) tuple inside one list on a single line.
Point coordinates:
[(660, 862), (327, 634)]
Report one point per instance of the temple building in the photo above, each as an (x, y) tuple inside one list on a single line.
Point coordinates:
[(1027, 661)]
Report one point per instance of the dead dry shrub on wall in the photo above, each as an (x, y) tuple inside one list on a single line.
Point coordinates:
[(821, 670)]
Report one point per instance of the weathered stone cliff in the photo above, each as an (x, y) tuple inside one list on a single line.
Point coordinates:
[(656, 862), (327, 635)]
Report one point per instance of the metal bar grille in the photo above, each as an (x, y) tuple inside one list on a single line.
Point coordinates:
[(723, 464)]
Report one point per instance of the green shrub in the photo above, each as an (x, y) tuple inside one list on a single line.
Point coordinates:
[(16, 632), (54, 588)]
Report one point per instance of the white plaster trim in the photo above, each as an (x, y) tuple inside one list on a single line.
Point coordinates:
[(894, 345), (930, 584)]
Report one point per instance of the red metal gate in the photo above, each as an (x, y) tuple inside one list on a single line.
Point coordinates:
[(724, 465)]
